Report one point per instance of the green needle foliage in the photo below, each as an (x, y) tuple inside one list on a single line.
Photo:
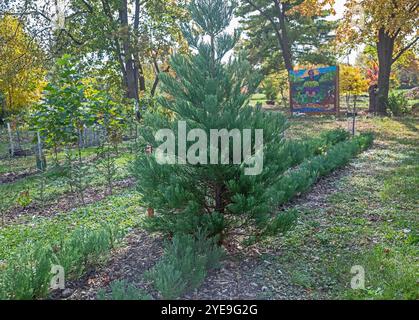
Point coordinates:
[(207, 93), (184, 264), (122, 290)]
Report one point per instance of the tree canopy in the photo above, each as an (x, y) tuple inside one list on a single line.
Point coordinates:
[(21, 67)]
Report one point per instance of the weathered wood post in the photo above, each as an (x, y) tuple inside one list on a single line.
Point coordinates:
[(12, 147), (41, 162)]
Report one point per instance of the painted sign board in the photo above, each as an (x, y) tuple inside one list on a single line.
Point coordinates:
[(315, 90)]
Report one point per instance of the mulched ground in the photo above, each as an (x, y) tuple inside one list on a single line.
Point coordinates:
[(138, 254), (10, 177), (245, 274)]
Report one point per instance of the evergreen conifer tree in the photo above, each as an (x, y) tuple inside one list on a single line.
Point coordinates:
[(207, 92)]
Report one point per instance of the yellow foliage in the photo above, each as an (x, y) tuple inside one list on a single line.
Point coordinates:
[(363, 18), (351, 80), (21, 72)]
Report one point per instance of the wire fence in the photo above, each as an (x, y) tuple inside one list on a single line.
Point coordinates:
[(23, 150)]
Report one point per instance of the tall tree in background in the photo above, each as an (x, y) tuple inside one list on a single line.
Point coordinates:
[(295, 31), (21, 67), (122, 34), (131, 32), (391, 25)]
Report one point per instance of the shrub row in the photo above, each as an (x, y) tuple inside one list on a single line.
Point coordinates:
[(298, 180), (27, 274)]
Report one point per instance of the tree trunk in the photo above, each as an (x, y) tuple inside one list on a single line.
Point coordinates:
[(372, 92), (131, 68), (141, 77), (280, 31), (219, 205), (385, 47), (123, 48), (285, 42), (282, 36)]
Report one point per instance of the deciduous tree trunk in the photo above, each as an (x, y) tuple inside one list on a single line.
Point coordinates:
[(372, 92), (131, 68), (385, 48)]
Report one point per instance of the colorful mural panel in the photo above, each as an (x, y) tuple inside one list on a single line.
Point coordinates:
[(315, 90)]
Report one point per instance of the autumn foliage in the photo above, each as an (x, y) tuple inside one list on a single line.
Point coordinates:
[(21, 72)]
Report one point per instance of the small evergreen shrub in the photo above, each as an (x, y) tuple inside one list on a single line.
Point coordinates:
[(26, 275), (281, 223), (122, 290), (184, 264), (85, 247)]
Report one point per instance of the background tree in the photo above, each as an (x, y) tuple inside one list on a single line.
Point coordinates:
[(287, 31), (131, 33), (352, 82), (391, 25), (407, 70), (21, 68)]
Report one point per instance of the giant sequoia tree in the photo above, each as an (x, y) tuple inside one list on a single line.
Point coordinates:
[(205, 93), (391, 25)]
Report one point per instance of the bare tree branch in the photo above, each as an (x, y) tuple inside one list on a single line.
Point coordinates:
[(411, 44)]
